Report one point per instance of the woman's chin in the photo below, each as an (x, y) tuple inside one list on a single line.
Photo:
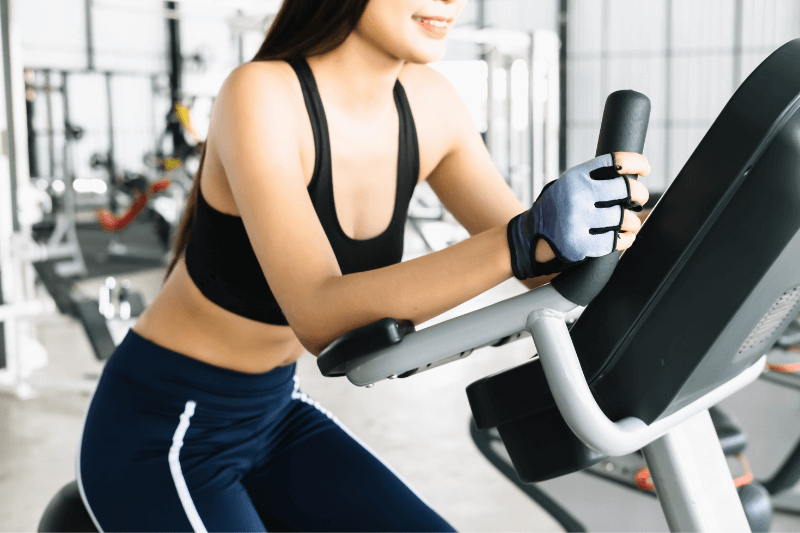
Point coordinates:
[(429, 53)]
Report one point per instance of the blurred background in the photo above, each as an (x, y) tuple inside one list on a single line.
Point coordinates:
[(105, 103)]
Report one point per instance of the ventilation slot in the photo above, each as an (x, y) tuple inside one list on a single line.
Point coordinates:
[(774, 320)]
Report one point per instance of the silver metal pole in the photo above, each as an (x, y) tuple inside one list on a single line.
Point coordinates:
[(550, 44), (51, 145), (76, 267), (8, 350), (692, 479), (507, 63), (491, 62), (14, 175), (13, 77), (532, 188), (545, 109), (87, 7)]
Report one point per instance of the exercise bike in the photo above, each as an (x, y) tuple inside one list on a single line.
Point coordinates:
[(692, 319)]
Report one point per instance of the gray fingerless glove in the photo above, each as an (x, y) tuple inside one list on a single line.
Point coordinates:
[(579, 215)]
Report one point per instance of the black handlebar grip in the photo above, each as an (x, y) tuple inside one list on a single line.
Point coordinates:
[(624, 128)]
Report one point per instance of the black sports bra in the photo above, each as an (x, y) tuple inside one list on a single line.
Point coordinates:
[(221, 260)]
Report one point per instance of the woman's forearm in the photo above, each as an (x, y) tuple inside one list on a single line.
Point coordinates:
[(415, 290)]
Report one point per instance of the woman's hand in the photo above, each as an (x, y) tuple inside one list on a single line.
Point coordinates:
[(584, 213), (631, 163)]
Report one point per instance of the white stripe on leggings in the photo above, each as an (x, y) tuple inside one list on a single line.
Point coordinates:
[(78, 467), (177, 473), (303, 397)]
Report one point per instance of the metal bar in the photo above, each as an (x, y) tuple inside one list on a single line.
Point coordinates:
[(31, 308), (111, 164), (67, 127), (509, 126), (537, 126), (154, 119), (454, 338), (175, 12), (738, 30), (532, 187), (17, 280), (552, 107), (119, 72), (240, 40), (78, 265), (491, 62), (480, 22), (175, 81), (702, 52), (174, 52), (15, 105), (51, 146), (692, 480), (580, 410), (668, 89), (8, 337), (33, 155), (605, 23), (563, 27), (89, 35)]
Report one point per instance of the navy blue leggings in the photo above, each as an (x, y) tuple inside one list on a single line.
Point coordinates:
[(174, 444)]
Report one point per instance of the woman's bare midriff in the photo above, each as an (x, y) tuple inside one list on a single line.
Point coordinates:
[(182, 319)]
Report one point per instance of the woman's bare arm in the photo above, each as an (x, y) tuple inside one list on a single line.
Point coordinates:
[(258, 140), (466, 180)]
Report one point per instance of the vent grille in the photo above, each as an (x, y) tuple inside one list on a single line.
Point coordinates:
[(774, 320)]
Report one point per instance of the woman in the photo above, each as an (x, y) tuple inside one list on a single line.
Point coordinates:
[(198, 422)]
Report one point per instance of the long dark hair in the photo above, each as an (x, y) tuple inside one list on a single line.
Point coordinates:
[(302, 28)]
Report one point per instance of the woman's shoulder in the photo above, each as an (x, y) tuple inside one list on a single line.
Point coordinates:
[(261, 89), (258, 101), (273, 75)]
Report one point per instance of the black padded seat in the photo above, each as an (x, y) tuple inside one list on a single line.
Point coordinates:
[(708, 287), (66, 512)]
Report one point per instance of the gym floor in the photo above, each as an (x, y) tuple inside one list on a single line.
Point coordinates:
[(419, 426)]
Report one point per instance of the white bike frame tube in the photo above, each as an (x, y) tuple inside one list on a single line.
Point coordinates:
[(455, 337), (692, 479), (580, 410)]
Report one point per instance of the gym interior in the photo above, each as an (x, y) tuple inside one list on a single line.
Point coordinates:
[(108, 101)]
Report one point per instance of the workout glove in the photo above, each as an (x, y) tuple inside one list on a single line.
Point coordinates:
[(579, 215)]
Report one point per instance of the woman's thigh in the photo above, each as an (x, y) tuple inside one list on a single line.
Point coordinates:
[(137, 472), (148, 500), (167, 440), (322, 478)]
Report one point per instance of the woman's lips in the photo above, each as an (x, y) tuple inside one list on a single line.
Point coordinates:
[(435, 26)]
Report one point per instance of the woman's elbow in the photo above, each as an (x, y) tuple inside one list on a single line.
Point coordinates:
[(311, 332)]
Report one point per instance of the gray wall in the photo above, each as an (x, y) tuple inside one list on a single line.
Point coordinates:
[(687, 56)]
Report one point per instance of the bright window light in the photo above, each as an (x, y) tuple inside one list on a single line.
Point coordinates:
[(470, 81), (94, 185)]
